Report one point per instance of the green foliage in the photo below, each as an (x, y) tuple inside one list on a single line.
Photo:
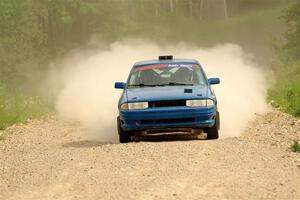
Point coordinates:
[(286, 90), (16, 108), (22, 40), (296, 147), (34, 31), (290, 51)]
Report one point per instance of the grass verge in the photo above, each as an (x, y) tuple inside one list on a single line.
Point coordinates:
[(286, 90), (16, 108)]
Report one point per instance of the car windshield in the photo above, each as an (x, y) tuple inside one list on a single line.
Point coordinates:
[(166, 75)]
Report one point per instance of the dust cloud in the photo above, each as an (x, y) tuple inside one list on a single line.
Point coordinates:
[(86, 92)]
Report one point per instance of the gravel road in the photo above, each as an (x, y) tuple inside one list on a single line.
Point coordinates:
[(47, 159)]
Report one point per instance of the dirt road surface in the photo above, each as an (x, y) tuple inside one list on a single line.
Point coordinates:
[(47, 159)]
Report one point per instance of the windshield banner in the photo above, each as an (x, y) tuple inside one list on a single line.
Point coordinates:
[(159, 66)]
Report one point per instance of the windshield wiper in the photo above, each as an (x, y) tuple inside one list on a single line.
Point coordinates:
[(141, 85), (166, 84), (175, 83)]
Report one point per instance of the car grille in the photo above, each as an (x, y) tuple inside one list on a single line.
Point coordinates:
[(172, 103), (166, 121)]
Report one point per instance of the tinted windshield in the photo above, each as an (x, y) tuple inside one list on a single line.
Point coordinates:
[(166, 74)]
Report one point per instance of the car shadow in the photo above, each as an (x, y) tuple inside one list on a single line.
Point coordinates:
[(85, 143), (167, 137), (147, 138)]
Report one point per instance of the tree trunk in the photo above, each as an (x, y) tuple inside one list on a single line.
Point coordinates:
[(156, 8), (171, 6), (225, 9), (191, 8), (201, 9)]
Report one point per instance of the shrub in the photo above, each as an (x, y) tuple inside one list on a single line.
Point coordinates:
[(296, 147)]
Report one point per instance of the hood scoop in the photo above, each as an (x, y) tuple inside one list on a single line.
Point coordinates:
[(188, 90)]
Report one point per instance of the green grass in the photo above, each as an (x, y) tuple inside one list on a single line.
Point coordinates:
[(286, 90), (16, 108), (296, 147)]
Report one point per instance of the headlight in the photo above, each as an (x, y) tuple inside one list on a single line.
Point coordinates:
[(200, 103), (134, 106)]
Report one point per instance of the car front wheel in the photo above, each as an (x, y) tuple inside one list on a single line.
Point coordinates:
[(124, 136), (213, 132)]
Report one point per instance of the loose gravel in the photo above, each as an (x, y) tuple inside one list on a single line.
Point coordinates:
[(48, 159)]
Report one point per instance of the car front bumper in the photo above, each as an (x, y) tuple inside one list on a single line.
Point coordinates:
[(169, 117)]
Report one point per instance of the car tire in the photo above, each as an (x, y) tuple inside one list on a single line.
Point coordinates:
[(124, 136), (213, 132)]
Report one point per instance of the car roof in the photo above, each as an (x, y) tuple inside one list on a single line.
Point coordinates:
[(169, 61)]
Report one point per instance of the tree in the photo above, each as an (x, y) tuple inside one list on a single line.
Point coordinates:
[(22, 37), (291, 49)]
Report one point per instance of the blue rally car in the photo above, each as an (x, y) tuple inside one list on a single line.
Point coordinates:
[(167, 95)]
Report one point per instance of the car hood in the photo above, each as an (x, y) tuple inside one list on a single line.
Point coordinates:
[(166, 93)]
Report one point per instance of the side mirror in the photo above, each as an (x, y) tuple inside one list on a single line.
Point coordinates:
[(213, 81), (120, 85)]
